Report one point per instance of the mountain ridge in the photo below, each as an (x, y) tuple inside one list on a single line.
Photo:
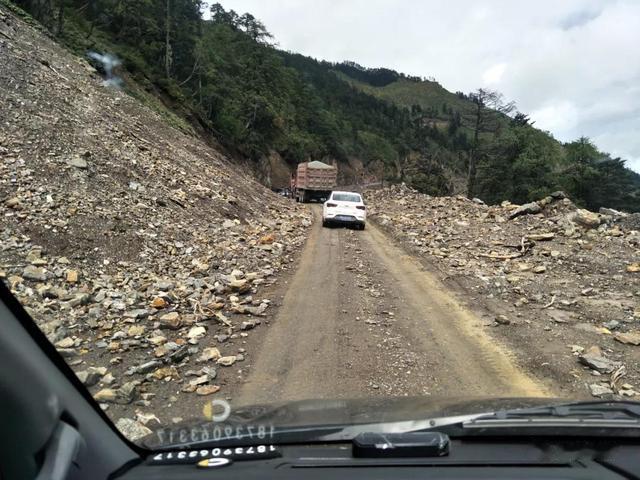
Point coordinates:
[(270, 109)]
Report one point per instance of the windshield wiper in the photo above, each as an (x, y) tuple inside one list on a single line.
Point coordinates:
[(602, 409), (606, 418)]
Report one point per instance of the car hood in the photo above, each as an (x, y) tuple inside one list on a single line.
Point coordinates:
[(304, 414), (376, 410)]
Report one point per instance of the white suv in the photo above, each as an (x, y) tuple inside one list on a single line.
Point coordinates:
[(345, 208)]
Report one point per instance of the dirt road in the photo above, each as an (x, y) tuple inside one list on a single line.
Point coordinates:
[(362, 318)]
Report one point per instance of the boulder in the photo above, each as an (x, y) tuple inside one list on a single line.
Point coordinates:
[(585, 218), (594, 359), (526, 209)]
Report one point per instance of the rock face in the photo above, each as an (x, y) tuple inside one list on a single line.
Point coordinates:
[(557, 275), (124, 234)]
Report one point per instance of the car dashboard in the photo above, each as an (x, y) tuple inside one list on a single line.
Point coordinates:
[(467, 459)]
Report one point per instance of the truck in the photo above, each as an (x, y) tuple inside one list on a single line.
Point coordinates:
[(313, 181)]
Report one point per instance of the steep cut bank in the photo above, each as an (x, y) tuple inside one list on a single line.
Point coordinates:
[(139, 250)]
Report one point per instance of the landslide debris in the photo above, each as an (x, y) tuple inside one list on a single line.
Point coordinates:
[(559, 284), (142, 252)]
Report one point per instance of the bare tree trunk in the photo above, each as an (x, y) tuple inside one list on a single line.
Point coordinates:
[(196, 65), (168, 53), (60, 27), (473, 158)]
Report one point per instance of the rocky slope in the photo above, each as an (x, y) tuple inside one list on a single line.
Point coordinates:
[(141, 251), (559, 285)]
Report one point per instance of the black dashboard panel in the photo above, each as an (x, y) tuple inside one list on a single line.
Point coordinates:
[(467, 460), (624, 459)]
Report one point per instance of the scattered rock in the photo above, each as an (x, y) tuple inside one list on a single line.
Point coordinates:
[(239, 285), (166, 372), (72, 276), (594, 359), (136, 330), (67, 342), (92, 375), (612, 324), (201, 380), (247, 325), (526, 209), (37, 274), (611, 212), (541, 237), (171, 321), (159, 302), (207, 390), (598, 389), (164, 285), (137, 313), (144, 368), (134, 431), (147, 418), (630, 338), (196, 333), (13, 202), (78, 162), (586, 218), (227, 361), (209, 354), (179, 354), (107, 395)]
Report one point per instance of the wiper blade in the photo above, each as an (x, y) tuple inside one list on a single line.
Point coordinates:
[(606, 418), (581, 415), (601, 410)]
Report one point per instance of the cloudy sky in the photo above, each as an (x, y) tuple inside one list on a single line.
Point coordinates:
[(573, 66)]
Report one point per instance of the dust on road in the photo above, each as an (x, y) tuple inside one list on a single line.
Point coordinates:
[(362, 318)]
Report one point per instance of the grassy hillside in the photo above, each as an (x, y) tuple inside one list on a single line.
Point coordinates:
[(407, 92)]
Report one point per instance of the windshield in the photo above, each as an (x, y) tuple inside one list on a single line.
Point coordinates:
[(346, 197), (165, 171)]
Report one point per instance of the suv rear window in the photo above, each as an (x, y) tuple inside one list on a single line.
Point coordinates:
[(345, 197)]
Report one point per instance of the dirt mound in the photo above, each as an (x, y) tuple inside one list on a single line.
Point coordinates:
[(553, 280), (141, 251)]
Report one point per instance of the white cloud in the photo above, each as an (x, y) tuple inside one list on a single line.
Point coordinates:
[(493, 75), (560, 117), (573, 65)]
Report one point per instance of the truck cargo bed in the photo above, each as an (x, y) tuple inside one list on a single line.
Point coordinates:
[(316, 176)]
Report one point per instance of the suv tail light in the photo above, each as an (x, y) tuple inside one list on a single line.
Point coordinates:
[(361, 207), (329, 205)]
